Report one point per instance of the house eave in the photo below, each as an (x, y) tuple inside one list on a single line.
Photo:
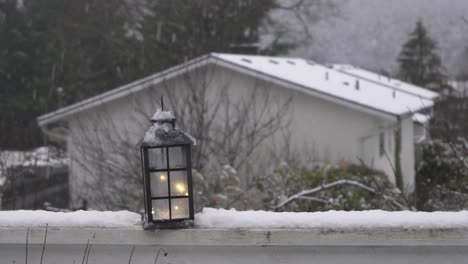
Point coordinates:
[(121, 91), (136, 86)]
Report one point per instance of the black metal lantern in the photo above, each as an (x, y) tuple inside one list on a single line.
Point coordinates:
[(167, 173)]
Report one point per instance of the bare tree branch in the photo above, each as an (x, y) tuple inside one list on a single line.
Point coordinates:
[(334, 184)]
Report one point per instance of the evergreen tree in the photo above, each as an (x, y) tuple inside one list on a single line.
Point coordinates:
[(20, 98), (46, 46), (54, 52), (184, 29), (419, 62)]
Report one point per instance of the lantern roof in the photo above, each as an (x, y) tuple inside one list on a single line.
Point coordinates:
[(161, 116), (163, 132)]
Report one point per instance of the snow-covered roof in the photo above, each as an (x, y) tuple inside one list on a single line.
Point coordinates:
[(386, 81), (348, 86), (421, 118), (330, 83)]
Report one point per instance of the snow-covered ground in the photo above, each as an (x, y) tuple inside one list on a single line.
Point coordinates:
[(38, 157), (211, 218), (42, 156)]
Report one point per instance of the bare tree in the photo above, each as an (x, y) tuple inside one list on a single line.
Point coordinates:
[(110, 171), (230, 129)]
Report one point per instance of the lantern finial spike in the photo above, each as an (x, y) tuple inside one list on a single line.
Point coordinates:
[(162, 103)]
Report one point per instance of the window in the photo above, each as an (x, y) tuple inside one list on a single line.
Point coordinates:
[(382, 143), (168, 182)]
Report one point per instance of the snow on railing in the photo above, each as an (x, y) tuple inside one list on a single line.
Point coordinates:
[(220, 218), (211, 218), (81, 219)]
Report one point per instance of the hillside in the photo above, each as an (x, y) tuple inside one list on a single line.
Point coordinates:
[(369, 33)]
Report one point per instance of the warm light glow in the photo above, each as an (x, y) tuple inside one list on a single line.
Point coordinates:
[(180, 188), (162, 177), (160, 214), (186, 193), (180, 209)]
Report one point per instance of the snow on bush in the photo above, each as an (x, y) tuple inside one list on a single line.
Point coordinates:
[(28, 218), (221, 218)]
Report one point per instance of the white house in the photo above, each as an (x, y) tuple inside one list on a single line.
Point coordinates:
[(337, 112)]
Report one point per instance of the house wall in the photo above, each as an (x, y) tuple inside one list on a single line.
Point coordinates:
[(106, 135), (336, 133), (320, 131), (324, 131), (407, 153)]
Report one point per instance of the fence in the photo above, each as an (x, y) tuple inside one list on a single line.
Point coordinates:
[(133, 245)]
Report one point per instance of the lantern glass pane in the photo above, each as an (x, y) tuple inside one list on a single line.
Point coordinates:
[(157, 158), (177, 157), (180, 208), (179, 186), (158, 181), (160, 209)]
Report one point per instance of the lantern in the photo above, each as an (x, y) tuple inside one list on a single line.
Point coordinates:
[(167, 173)]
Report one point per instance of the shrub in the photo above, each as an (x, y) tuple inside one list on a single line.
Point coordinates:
[(288, 181), (442, 179)]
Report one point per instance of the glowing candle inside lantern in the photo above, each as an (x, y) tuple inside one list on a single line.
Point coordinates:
[(165, 214), (163, 177), (160, 209), (180, 208), (180, 188), (160, 214), (158, 183)]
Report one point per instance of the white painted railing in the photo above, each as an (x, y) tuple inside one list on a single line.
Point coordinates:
[(115, 245)]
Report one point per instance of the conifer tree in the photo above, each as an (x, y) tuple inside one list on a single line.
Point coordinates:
[(419, 62), (54, 52)]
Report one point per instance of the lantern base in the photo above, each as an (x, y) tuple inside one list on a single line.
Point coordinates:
[(188, 223)]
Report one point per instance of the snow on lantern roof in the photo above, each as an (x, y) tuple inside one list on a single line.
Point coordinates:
[(162, 115), (163, 132)]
